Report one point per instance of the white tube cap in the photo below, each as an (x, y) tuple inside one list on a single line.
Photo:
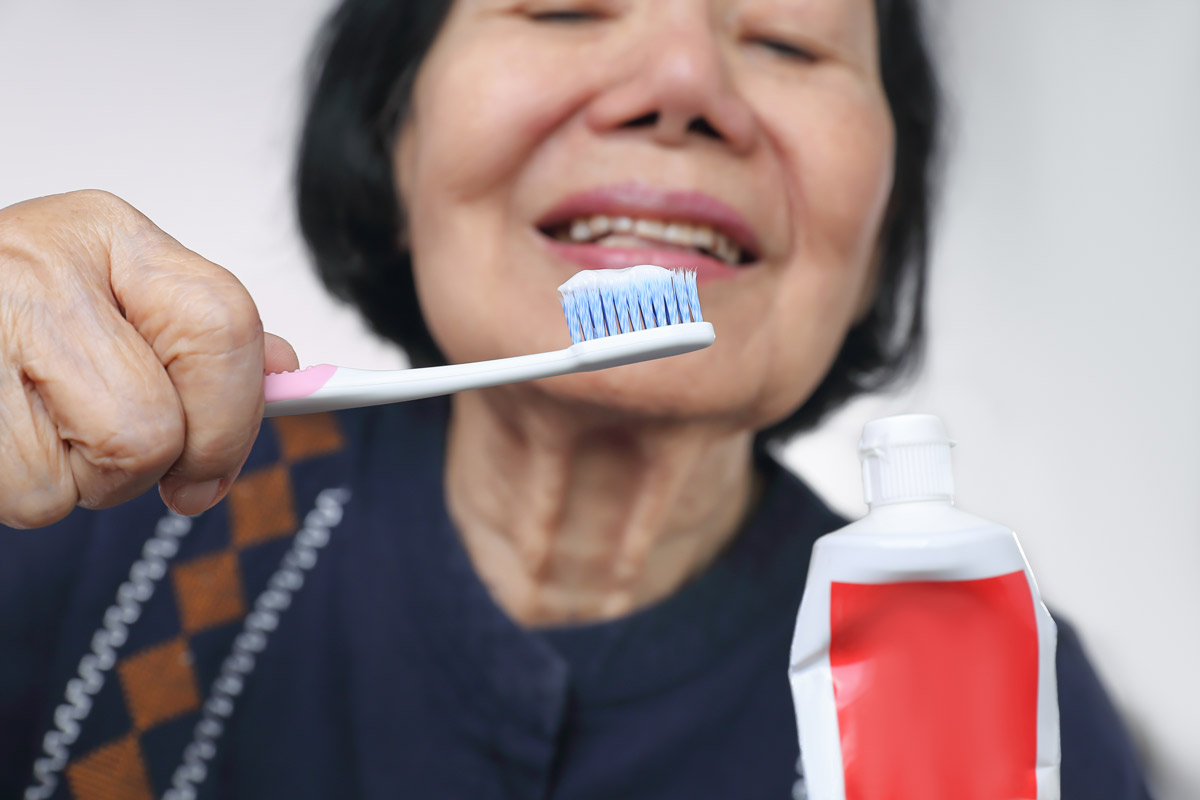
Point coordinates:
[(904, 459)]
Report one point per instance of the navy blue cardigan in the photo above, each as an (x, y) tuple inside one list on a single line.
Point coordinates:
[(228, 656)]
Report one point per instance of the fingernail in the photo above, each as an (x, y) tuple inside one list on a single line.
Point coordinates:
[(192, 498)]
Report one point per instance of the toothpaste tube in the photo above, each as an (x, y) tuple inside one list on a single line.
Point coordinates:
[(922, 666)]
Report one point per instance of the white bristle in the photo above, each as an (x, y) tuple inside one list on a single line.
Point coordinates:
[(605, 302)]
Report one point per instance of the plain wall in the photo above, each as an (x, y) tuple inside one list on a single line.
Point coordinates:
[(1064, 337)]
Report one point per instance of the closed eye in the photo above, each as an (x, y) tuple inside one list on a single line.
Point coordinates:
[(564, 16), (564, 12), (787, 49)]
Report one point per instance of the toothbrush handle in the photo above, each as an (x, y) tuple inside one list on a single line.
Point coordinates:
[(328, 388)]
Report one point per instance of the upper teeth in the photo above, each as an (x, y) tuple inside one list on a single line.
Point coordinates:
[(682, 234)]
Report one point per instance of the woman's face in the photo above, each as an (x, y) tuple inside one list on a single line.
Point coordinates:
[(748, 139)]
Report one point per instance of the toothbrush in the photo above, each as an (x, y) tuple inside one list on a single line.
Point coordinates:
[(615, 317)]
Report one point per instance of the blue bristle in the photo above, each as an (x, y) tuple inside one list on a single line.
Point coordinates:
[(584, 310), (650, 299), (570, 306), (643, 307), (596, 305), (622, 300), (673, 298), (679, 287), (662, 285), (693, 297), (610, 310), (662, 297)]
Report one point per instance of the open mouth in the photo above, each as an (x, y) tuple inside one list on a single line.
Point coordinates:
[(624, 231), (619, 225)]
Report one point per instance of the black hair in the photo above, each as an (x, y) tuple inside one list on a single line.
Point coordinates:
[(362, 73)]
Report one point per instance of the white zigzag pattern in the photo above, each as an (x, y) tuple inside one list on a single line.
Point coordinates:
[(132, 595), (257, 626), (144, 575)]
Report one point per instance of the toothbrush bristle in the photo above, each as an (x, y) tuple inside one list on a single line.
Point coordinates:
[(601, 303)]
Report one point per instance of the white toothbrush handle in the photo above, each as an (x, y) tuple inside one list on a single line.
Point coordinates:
[(329, 388)]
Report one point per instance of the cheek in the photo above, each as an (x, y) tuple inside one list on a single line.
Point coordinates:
[(470, 135), (835, 147), (842, 168), (474, 124), (838, 151)]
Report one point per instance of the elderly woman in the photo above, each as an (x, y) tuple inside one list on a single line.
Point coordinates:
[(581, 587)]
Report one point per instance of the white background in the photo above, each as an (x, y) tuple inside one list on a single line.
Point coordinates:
[(1065, 337)]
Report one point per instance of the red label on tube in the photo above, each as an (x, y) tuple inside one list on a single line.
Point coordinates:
[(936, 684)]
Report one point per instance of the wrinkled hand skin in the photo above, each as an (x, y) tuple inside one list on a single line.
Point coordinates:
[(125, 360)]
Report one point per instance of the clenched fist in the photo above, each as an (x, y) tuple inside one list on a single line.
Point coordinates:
[(125, 360)]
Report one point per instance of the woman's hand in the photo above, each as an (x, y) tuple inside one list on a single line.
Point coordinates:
[(125, 360)]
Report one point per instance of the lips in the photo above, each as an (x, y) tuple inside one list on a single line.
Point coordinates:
[(619, 226)]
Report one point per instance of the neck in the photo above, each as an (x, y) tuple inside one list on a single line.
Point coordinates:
[(569, 522)]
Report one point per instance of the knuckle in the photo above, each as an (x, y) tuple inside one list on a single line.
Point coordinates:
[(139, 446), (96, 197), (194, 311), (221, 316), (62, 234), (99, 209), (46, 212), (78, 212)]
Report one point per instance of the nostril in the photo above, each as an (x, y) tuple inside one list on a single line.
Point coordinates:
[(702, 126), (644, 121), (698, 125)]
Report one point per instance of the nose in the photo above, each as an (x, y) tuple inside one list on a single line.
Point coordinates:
[(674, 84)]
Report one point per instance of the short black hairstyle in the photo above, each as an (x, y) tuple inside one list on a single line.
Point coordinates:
[(360, 85)]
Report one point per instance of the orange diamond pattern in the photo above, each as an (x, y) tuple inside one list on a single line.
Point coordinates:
[(261, 507), (307, 436), (209, 591), (159, 683), (112, 772)]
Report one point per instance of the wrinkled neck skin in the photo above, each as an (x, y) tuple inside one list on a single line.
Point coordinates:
[(569, 518)]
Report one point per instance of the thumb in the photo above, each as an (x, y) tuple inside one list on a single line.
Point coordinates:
[(278, 355)]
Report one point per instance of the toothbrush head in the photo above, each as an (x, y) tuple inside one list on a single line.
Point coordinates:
[(606, 302)]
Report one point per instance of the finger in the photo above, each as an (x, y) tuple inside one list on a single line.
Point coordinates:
[(100, 404), (38, 487), (204, 329), (212, 349), (278, 354)]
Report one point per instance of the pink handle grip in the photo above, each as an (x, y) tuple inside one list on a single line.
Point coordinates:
[(295, 385)]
